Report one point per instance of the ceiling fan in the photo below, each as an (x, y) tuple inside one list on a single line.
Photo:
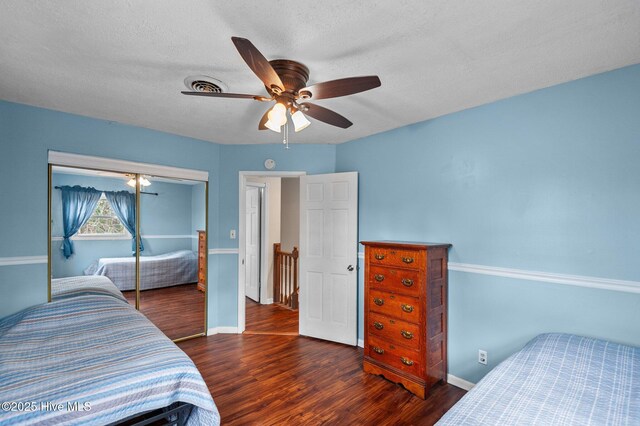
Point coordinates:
[(286, 84)]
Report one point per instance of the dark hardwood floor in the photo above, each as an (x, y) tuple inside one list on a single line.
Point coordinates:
[(270, 319), (292, 380), (178, 311)]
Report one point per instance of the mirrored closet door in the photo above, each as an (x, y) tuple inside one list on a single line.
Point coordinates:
[(88, 234), (172, 263), (96, 217)]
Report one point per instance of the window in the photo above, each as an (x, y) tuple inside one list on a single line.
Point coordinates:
[(103, 222)]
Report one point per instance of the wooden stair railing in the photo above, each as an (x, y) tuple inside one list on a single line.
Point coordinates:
[(285, 277)]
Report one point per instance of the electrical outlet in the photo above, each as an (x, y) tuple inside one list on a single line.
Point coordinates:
[(482, 356), (232, 234)]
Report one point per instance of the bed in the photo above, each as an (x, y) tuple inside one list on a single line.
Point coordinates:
[(75, 286), (164, 270), (557, 379), (89, 358)]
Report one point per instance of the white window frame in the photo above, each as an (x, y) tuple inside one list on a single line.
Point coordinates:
[(123, 236)]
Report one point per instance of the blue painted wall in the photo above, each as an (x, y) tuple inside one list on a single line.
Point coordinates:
[(26, 135), (198, 205), (169, 214), (547, 181), (312, 159)]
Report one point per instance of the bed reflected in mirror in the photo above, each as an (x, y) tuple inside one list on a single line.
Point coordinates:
[(88, 225), (172, 220)]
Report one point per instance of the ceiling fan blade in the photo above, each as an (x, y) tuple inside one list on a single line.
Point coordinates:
[(326, 115), (227, 95), (257, 62), (342, 87), (263, 120)]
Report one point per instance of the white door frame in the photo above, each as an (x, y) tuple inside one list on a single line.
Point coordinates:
[(242, 249)]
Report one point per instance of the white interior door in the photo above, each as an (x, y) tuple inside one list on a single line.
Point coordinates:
[(329, 256), (252, 224)]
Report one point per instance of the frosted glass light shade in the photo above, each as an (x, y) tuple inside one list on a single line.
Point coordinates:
[(300, 122), (278, 114), (143, 182), (272, 126)]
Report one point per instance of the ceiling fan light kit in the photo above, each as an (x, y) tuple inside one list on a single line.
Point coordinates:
[(300, 122), (286, 83), (143, 181)]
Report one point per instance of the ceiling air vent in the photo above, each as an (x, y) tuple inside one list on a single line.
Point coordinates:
[(202, 83)]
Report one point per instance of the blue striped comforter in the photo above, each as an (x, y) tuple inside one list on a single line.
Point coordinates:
[(91, 360), (76, 286), (557, 379), (162, 270)]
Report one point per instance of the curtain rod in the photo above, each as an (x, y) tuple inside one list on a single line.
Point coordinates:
[(146, 193)]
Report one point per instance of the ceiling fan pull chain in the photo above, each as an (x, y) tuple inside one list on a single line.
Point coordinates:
[(285, 134)]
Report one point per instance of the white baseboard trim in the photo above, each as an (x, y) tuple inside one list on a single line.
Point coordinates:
[(222, 330), (361, 343), (575, 280), (23, 260), (223, 251), (460, 383), (269, 301)]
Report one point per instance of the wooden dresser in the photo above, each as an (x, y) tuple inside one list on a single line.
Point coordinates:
[(202, 260), (405, 313)]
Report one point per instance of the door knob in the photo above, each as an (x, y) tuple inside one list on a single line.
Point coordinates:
[(350, 268)]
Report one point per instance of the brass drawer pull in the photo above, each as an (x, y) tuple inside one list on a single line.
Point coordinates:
[(407, 282), (406, 361), (407, 260), (378, 301), (406, 334), (379, 277), (379, 256), (378, 350), (407, 308), (378, 325)]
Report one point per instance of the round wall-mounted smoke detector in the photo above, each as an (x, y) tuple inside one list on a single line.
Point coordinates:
[(203, 83)]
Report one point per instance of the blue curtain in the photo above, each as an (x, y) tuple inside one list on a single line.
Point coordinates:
[(78, 204), (123, 204)]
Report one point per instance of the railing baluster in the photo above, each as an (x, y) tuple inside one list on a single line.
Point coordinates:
[(285, 276)]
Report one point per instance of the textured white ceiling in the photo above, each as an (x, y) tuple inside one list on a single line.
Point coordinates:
[(125, 61)]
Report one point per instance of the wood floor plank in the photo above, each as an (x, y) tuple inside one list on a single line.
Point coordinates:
[(178, 311), (273, 379), (270, 319)]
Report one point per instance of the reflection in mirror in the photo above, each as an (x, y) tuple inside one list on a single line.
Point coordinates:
[(172, 212), (91, 233)]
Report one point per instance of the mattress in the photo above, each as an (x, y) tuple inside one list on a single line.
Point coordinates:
[(75, 286), (164, 270), (557, 379), (92, 359)]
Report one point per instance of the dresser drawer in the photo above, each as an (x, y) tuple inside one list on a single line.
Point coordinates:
[(397, 331), (395, 280), (396, 356), (395, 305), (406, 258)]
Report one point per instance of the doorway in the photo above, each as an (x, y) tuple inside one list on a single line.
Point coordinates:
[(328, 221), (270, 237)]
